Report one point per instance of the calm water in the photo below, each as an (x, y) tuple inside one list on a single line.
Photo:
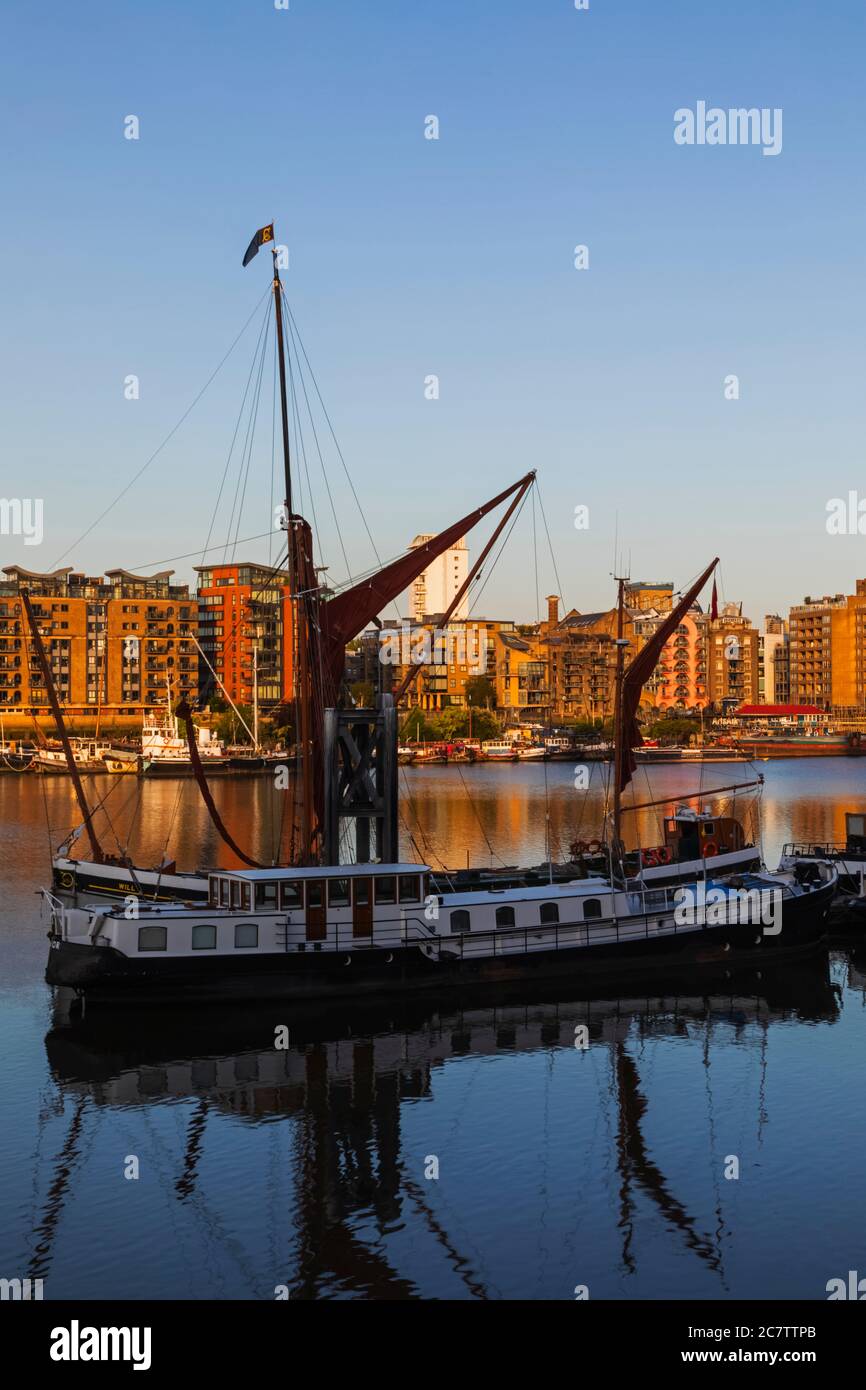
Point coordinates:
[(312, 1167)]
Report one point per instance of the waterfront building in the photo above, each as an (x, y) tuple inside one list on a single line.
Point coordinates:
[(245, 625), (774, 677), (650, 595), (467, 648), (731, 650), (436, 587), (679, 680), (811, 649), (117, 644)]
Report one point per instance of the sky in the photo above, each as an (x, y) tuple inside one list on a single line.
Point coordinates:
[(454, 258)]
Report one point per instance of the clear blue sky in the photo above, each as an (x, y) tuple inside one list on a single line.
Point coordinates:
[(411, 257)]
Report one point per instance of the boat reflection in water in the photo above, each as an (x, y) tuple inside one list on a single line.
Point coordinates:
[(420, 1150)]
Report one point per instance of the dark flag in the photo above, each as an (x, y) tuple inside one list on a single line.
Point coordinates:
[(714, 604), (263, 235)]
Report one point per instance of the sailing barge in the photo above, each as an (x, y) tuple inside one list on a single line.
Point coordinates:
[(324, 928), (306, 933)]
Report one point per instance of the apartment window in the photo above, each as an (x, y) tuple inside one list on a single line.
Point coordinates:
[(204, 938), (152, 938), (246, 936)]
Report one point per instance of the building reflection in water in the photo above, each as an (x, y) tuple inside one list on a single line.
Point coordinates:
[(342, 1087)]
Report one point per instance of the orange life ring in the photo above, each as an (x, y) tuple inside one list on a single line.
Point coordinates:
[(709, 848)]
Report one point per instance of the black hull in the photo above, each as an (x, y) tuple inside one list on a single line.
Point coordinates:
[(105, 975), (228, 767), (88, 885)]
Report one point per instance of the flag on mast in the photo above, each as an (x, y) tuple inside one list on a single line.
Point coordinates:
[(262, 236)]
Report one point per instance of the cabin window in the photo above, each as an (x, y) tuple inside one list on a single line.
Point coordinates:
[(224, 892), (204, 938), (591, 908), (266, 895), (214, 892), (548, 913), (246, 935), (505, 916), (236, 892), (245, 897), (386, 889), (338, 892), (708, 828), (152, 938), (361, 891), (291, 895), (315, 895), (410, 888), (460, 920)]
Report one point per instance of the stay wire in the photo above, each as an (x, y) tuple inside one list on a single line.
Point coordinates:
[(172, 432)]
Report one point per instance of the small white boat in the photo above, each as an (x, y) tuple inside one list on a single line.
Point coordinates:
[(497, 750)]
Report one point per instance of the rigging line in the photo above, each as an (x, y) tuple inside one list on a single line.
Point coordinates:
[(273, 455), (301, 454), (240, 416), (193, 554), (491, 850), (488, 570), (535, 562), (333, 434), (319, 451), (547, 532), (160, 447), (253, 398), (251, 434)]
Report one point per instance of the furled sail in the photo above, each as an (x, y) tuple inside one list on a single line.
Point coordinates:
[(638, 672), (350, 612)]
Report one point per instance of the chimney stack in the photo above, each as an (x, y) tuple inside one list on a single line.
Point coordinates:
[(552, 610)]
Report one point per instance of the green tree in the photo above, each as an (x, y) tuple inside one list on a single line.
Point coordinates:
[(363, 694), (480, 692)]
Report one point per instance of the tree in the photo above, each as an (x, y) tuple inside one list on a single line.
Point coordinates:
[(363, 694), (480, 692)]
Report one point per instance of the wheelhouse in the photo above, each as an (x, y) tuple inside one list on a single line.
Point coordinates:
[(350, 887)]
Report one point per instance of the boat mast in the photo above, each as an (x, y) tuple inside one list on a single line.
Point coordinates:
[(42, 657), (618, 731), (255, 698), (300, 598)]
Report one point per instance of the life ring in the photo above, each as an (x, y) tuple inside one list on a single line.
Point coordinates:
[(709, 848), (594, 847), (664, 854), (66, 879)]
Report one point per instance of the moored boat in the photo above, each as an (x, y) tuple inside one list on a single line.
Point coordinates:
[(363, 929)]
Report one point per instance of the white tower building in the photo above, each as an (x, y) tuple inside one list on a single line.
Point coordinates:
[(437, 585)]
